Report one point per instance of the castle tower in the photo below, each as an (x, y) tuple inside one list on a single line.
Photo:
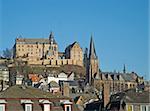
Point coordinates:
[(52, 53), (93, 64)]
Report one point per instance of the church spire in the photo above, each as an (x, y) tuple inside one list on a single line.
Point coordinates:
[(92, 53), (124, 68)]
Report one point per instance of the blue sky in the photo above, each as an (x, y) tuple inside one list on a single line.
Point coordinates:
[(119, 27)]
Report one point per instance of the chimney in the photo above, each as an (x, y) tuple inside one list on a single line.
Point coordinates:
[(106, 93), (65, 89)]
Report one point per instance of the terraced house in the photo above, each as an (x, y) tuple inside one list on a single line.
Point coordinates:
[(23, 98)]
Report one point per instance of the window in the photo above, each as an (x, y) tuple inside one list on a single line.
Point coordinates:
[(145, 108), (68, 108), (28, 107), (130, 108), (46, 107), (2, 107)]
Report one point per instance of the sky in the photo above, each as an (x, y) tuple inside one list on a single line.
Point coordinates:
[(119, 28)]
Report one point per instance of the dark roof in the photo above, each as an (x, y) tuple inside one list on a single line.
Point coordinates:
[(116, 76), (92, 52), (71, 45), (131, 96), (32, 40), (18, 91)]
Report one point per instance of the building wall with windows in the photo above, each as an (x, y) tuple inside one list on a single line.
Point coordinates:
[(45, 51)]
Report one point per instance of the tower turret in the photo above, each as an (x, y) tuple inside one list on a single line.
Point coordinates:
[(51, 38)]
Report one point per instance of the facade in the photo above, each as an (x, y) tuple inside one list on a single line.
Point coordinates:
[(117, 81), (60, 77), (46, 52)]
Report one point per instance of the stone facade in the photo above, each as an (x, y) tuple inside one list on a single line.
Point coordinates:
[(45, 52)]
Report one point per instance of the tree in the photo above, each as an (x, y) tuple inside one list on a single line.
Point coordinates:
[(8, 53)]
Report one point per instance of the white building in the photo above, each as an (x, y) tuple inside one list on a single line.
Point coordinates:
[(62, 76), (4, 73)]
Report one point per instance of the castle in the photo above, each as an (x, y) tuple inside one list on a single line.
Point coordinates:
[(45, 52)]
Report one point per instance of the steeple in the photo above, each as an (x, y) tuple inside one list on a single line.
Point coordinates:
[(124, 68), (51, 38), (92, 53)]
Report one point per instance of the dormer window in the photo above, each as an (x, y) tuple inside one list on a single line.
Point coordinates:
[(28, 107), (67, 105), (3, 105), (45, 104), (27, 104)]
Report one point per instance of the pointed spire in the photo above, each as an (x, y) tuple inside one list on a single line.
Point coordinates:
[(51, 38), (124, 68), (92, 53)]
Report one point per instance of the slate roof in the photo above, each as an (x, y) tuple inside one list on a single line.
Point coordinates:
[(18, 91), (115, 76), (32, 40), (3, 67), (132, 96), (13, 96)]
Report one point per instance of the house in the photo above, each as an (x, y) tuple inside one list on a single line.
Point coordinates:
[(35, 78), (19, 79), (4, 77), (23, 98), (130, 100), (54, 87), (71, 76), (4, 73), (54, 77)]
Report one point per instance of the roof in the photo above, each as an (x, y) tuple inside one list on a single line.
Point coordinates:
[(34, 77), (32, 40), (92, 52), (18, 95), (53, 84), (19, 91), (4, 68), (131, 96), (119, 76), (71, 45)]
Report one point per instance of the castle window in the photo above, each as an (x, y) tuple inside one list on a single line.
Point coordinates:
[(54, 48)]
